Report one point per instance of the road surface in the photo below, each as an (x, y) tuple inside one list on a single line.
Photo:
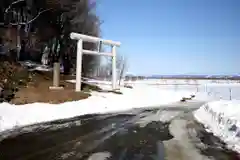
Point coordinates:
[(139, 134)]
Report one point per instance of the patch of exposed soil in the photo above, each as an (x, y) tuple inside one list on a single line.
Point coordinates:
[(19, 86), (37, 90)]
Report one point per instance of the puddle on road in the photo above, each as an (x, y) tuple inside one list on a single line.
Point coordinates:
[(135, 142), (45, 142)]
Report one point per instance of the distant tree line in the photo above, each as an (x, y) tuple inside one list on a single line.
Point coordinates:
[(134, 78)]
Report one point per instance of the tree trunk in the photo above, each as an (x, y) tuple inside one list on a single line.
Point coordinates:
[(66, 64), (18, 42), (121, 73)]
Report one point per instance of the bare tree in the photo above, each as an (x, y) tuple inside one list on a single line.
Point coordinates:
[(49, 22), (17, 13), (121, 67)]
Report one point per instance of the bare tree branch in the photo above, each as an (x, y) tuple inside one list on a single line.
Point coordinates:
[(26, 23), (21, 23), (15, 2)]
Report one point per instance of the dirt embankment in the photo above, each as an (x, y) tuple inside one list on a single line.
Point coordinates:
[(12, 76), (20, 86)]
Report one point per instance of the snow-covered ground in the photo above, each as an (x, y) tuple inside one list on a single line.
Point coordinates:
[(217, 89), (220, 115), (222, 118), (184, 81), (141, 96)]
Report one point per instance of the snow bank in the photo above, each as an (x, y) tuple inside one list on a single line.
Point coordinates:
[(222, 118), (145, 96)]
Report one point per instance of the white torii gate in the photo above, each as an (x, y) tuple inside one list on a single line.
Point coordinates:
[(80, 51)]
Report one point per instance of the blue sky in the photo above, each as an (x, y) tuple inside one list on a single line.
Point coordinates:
[(175, 36)]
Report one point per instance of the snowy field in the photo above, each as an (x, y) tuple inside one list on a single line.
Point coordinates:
[(218, 89), (220, 115)]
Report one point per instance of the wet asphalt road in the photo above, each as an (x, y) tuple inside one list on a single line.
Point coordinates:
[(115, 136), (81, 137)]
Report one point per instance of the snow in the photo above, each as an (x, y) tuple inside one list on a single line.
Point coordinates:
[(222, 118), (216, 89), (32, 66), (142, 96), (221, 115)]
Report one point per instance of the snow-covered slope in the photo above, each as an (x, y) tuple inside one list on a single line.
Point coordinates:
[(222, 118)]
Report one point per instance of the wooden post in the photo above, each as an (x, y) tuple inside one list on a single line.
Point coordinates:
[(18, 42), (79, 66)]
